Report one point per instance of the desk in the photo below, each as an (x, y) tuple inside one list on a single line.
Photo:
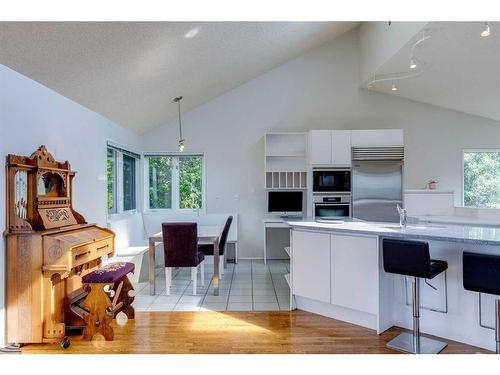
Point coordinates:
[(272, 222), (207, 235)]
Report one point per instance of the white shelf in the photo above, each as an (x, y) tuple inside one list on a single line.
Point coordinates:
[(286, 161), (287, 278), (286, 180)]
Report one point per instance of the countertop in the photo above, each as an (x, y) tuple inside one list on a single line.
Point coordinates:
[(472, 234), (456, 219)]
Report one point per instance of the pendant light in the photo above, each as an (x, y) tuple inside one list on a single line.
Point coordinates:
[(181, 140)]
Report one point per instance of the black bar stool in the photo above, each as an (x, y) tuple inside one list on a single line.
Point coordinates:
[(482, 274), (412, 258)]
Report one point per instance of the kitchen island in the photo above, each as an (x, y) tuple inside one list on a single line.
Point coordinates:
[(337, 271)]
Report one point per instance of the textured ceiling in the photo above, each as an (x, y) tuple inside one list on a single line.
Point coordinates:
[(130, 71), (462, 71)]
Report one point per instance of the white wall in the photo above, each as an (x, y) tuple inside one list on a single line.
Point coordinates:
[(319, 90), (31, 115)]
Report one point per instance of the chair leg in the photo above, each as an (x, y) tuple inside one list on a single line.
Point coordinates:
[(414, 343), (202, 270), (168, 279), (194, 278), (497, 324)]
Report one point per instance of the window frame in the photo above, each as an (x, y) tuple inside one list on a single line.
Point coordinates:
[(175, 181), (477, 150), (120, 150)]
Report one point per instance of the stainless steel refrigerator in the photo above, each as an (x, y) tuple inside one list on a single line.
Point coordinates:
[(377, 183)]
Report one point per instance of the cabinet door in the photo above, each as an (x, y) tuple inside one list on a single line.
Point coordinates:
[(341, 147), (321, 147), (311, 265), (354, 281)]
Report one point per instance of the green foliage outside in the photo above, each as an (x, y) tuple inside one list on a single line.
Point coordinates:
[(482, 179), (190, 177), (160, 182), (111, 165)]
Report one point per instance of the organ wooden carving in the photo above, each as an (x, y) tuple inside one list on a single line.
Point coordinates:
[(49, 248)]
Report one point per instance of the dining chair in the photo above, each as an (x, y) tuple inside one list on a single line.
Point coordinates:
[(180, 245), (209, 249)]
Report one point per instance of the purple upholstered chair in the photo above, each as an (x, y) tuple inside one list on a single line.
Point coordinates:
[(180, 244), (209, 249)]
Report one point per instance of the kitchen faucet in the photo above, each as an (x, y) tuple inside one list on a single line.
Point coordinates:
[(403, 217)]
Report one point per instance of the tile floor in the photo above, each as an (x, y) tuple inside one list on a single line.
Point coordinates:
[(249, 285)]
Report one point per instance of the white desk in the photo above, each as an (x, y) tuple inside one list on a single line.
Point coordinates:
[(273, 222)]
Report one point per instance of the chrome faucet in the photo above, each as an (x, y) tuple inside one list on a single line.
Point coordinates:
[(403, 216)]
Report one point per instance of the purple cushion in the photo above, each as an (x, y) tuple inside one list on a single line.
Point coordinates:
[(109, 273)]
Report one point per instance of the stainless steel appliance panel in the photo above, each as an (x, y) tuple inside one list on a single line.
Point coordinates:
[(377, 190)]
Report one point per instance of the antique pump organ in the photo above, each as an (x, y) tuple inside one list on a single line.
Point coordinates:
[(50, 247)]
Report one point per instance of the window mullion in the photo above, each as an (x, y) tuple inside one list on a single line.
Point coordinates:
[(176, 184)]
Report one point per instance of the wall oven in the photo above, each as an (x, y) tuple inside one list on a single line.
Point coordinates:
[(331, 180), (332, 206)]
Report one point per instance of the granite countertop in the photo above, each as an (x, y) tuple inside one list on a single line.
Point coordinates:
[(457, 219), (482, 235)]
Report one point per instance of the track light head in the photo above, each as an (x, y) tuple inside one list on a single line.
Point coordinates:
[(394, 88), (413, 63), (486, 32)]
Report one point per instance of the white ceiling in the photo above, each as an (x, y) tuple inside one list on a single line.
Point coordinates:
[(463, 71), (130, 71)]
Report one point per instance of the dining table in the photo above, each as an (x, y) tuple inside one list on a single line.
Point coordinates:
[(207, 235)]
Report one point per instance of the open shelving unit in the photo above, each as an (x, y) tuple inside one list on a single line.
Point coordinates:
[(286, 161)]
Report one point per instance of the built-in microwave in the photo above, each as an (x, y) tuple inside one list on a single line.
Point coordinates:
[(331, 180), (332, 206)]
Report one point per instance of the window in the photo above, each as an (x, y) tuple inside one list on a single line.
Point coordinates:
[(481, 170), (121, 180), (175, 181), (111, 179)]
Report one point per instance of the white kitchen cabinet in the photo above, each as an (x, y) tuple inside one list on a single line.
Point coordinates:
[(341, 147), (354, 272), (331, 147), (321, 147), (311, 265), (377, 137)]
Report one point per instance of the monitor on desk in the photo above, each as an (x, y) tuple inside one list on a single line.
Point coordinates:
[(285, 202)]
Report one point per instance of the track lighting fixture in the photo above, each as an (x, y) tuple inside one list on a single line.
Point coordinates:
[(486, 31), (413, 63), (394, 88)]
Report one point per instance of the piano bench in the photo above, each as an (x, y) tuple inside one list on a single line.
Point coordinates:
[(103, 305)]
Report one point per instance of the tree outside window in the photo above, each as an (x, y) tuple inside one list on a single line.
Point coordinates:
[(481, 179)]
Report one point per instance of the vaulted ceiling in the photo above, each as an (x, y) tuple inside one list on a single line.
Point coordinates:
[(130, 71), (461, 69)]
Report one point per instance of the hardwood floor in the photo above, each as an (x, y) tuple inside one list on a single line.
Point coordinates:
[(237, 332)]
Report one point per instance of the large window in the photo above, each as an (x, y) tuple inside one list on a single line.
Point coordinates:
[(481, 178), (122, 168), (175, 181)]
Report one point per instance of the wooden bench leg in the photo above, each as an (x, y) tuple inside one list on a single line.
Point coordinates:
[(99, 318), (127, 299)]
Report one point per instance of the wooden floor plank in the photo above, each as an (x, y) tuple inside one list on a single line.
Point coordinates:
[(237, 332)]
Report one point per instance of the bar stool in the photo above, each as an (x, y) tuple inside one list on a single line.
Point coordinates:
[(412, 258), (481, 273)]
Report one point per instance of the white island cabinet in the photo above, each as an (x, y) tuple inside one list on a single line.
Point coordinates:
[(311, 265), (354, 272), (340, 271)]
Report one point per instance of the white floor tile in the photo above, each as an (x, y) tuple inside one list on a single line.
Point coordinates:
[(237, 298), (267, 298), (240, 306)]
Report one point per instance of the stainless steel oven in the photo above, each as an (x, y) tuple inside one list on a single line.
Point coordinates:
[(332, 206), (331, 180)]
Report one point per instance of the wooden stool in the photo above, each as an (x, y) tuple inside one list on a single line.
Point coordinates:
[(101, 308)]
